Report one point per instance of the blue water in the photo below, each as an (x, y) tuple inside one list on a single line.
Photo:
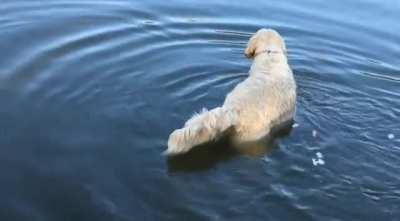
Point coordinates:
[(90, 90)]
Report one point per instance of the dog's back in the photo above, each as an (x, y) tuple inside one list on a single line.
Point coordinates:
[(262, 101)]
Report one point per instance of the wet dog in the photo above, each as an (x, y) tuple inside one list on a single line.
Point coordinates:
[(263, 101)]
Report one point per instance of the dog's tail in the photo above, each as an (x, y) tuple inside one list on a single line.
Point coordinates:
[(201, 128)]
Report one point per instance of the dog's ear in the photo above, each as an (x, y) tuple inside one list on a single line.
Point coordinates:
[(250, 50)]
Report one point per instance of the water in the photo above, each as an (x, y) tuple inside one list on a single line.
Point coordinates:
[(90, 91)]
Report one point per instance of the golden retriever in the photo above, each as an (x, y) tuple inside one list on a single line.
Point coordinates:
[(261, 102)]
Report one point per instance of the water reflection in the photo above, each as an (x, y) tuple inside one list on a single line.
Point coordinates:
[(207, 156)]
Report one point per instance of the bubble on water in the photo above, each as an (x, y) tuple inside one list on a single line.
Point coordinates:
[(314, 133), (390, 136), (314, 162), (317, 162), (295, 125), (319, 155)]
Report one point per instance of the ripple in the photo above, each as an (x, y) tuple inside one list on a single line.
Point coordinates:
[(91, 89)]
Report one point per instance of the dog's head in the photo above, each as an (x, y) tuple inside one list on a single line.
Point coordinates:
[(264, 40)]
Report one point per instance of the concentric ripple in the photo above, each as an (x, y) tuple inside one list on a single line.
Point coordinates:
[(90, 91)]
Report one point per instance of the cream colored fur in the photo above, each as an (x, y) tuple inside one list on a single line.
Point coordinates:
[(264, 100)]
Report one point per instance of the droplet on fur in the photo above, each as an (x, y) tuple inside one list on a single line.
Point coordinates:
[(295, 125), (319, 155), (390, 136), (314, 133)]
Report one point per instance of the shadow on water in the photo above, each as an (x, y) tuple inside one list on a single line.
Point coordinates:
[(202, 157), (207, 156)]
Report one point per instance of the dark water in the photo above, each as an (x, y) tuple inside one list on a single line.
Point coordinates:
[(90, 90)]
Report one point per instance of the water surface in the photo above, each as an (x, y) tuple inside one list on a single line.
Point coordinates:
[(90, 91)]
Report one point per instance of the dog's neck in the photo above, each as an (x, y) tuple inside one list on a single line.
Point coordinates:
[(267, 60), (269, 51)]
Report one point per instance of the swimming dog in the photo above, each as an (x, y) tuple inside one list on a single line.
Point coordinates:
[(264, 100)]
